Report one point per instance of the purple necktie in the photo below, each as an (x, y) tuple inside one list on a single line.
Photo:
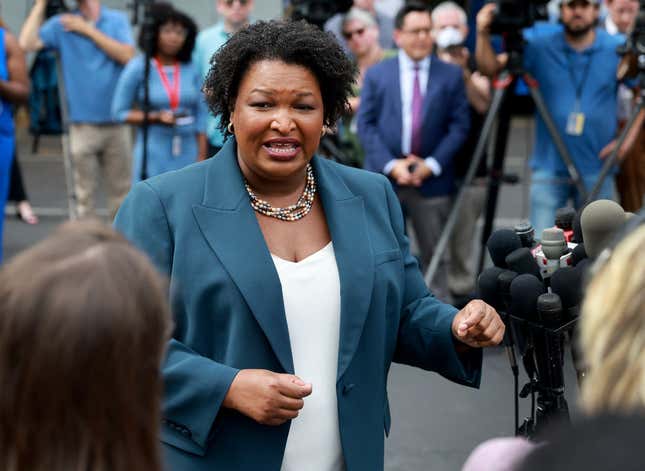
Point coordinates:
[(417, 109)]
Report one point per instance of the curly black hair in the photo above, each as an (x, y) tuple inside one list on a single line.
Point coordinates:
[(292, 42), (162, 13)]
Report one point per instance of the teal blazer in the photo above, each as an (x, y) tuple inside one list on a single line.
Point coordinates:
[(198, 227)]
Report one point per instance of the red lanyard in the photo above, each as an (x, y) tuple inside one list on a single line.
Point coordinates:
[(171, 90)]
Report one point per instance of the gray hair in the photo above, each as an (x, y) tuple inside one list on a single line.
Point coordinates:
[(449, 6), (361, 15)]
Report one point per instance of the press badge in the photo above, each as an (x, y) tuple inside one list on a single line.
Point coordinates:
[(176, 146), (576, 123)]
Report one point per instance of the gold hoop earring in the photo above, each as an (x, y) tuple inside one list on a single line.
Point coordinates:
[(229, 128)]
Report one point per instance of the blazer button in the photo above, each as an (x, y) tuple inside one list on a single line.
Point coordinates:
[(347, 388)]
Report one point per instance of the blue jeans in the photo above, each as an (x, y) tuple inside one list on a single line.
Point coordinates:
[(551, 192)]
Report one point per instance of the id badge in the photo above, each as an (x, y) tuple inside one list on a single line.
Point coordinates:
[(176, 146), (576, 124)]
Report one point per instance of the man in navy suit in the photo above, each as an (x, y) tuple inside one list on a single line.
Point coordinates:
[(412, 121)]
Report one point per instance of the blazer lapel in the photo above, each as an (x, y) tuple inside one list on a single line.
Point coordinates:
[(397, 109), (228, 223), (345, 214)]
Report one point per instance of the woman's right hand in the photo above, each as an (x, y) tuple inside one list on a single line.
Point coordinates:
[(166, 117), (266, 397)]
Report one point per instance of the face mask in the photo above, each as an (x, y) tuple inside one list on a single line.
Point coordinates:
[(448, 37)]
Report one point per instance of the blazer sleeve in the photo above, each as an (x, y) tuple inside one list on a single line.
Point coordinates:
[(377, 154), (195, 386), (458, 117), (425, 337)]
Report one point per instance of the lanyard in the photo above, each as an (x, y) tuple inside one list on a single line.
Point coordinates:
[(578, 85), (171, 89)]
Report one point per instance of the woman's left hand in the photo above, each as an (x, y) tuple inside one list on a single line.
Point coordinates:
[(478, 325)]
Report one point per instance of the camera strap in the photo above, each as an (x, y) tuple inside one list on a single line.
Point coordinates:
[(171, 89)]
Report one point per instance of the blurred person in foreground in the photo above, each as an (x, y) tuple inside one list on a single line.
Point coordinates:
[(412, 122), (450, 30), (234, 14), (292, 283), (612, 339), (177, 109), (576, 72), (94, 43), (83, 326), (360, 30), (14, 88)]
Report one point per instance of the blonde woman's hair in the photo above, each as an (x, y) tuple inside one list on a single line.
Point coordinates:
[(613, 331)]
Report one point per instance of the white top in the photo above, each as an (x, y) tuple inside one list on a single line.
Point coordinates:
[(406, 79), (311, 295)]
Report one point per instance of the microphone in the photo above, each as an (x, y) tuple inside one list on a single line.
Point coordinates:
[(553, 253), (599, 221), (500, 244), (487, 287), (578, 254), (526, 233), (577, 230), (521, 261), (568, 284), (564, 218), (525, 290), (548, 346)]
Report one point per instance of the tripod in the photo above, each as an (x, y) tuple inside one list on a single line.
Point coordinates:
[(499, 108), (147, 25)]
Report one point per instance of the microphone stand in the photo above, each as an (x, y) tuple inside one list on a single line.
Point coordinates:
[(148, 38)]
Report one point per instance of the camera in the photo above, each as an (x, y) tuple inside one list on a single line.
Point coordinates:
[(54, 7), (514, 15), (317, 12)]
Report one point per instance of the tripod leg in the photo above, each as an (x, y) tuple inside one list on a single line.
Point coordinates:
[(498, 97), (555, 135), (611, 160)]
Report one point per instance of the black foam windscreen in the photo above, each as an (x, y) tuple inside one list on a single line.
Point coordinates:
[(521, 261), (501, 243), (487, 287), (567, 283), (578, 254), (525, 290), (577, 229), (564, 218)]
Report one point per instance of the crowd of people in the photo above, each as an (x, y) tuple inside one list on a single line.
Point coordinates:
[(290, 277)]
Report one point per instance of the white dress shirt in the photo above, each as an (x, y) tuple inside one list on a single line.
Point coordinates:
[(311, 294), (406, 79)]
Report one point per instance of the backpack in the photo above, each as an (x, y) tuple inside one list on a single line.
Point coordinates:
[(44, 103)]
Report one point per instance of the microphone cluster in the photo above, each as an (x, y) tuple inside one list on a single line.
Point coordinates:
[(538, 286)]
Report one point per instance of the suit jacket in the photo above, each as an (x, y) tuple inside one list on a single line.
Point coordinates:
[(198, 227), (446, 119)]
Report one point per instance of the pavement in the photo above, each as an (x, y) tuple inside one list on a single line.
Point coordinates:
[(435, 423)]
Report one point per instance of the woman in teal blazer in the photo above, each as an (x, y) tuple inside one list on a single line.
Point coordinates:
[(231, 350)]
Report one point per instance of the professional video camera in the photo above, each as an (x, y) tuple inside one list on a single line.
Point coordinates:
[(54, 7), (317, 12), (514, 15)]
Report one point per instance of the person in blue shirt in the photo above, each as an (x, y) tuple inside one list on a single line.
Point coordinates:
[(94, 43), (14, 88), (576, 71), (234, 14), (177, 110)]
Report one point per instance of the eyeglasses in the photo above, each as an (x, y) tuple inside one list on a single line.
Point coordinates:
[(417, 31), (348, 35), (229, 3)]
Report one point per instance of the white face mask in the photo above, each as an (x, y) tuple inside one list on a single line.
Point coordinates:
[(448, 37)]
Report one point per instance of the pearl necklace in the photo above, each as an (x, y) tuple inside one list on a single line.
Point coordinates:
[(293, 212)]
